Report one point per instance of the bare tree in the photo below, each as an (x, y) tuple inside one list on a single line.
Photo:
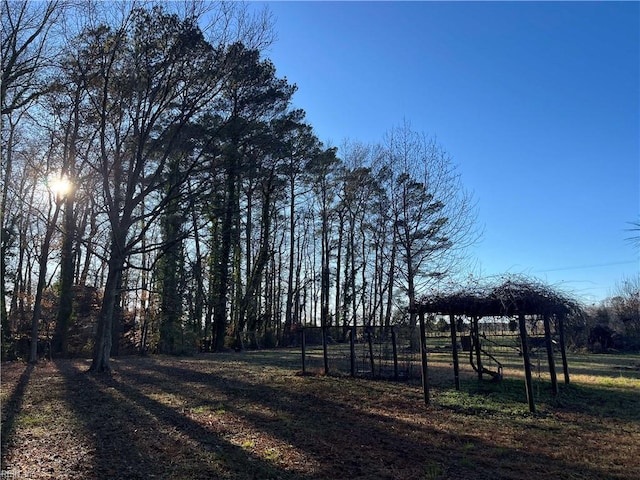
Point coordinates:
[(324, 171), (25, 50), (434, 216), (299, 149), (148, 78), (626, 307), (25, 55)]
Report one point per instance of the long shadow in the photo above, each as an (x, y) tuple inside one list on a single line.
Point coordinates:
[(592, 400), (290, 360), (212, 457), (109, 423), (342, 438), (326, 433), (11, 409), (600, 401)]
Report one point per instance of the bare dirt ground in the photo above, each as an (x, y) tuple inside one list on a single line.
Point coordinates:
[(253, 416)]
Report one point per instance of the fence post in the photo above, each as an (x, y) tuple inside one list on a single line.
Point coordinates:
[(304, 352), (325, 353), (395, 353), (371, 360), (352, 347)]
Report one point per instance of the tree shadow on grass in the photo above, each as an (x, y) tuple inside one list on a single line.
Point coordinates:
[(139, 437), (347, 441), (11, 409), (591, 401), (331, 435)]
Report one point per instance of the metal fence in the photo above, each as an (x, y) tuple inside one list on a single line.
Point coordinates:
[(371, 352), (394, 353)]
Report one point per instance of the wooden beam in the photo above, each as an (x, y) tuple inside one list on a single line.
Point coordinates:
[(478, 348), (527, 362), (549, 345), (563, 350)]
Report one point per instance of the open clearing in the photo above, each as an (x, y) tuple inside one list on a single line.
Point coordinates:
[(253, 416)]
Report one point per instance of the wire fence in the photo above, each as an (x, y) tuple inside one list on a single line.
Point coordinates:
[(371, 352), (393, 353)]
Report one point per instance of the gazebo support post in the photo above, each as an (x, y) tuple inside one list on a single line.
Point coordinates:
[(454, 350), (549, 345), (563, 350), (527, 362), (423, 355), (478, 348)]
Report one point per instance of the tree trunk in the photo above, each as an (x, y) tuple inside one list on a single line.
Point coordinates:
[(42, 278), (67, 267), (226, 231), (4, 244), (324, 289), (339, 316), (288, 316), (102, 348), (198, 308), (255, 276), (392, 267), (116, 322), (423, 357)]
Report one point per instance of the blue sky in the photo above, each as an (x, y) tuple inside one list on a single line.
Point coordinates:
[(537, 103)]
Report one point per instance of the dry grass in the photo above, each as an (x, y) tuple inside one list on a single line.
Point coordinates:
[(253, 416)]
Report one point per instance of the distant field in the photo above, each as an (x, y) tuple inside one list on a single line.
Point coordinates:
[(254, 416)]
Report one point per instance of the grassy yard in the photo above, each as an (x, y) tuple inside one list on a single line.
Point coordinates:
[(254, 416)]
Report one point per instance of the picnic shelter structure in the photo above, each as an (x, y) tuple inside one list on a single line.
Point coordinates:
[(517, 298)]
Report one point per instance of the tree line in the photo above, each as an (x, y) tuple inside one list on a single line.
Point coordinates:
[(160, 187)]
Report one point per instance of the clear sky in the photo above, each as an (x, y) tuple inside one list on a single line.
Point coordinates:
[(537, 103)]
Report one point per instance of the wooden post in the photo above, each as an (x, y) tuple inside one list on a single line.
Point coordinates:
[(527, 362), (423, 354), (352, 348), (371, 360), (394, 343), (454, 346), (549, 345), (325, 353), (476, 334), (304, 352), (563, 351)]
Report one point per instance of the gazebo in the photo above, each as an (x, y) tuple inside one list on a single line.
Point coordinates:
[(516, 297)]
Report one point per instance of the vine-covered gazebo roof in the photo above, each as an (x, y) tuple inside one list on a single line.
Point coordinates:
[(513, 296)]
